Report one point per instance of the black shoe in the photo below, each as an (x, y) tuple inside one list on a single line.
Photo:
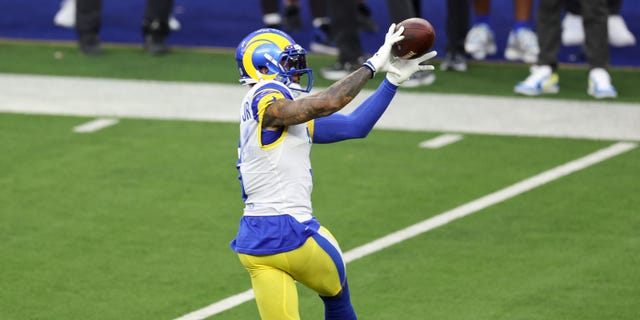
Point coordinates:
[(454, 61), (154, 33), (342, 69), (90, 45), (337, 71), (155, 46)]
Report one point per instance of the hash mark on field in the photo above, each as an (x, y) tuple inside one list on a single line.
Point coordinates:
[(441, 141), (94, 125), (440, 219)]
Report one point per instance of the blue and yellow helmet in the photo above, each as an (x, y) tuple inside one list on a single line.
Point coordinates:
[(270, 54)]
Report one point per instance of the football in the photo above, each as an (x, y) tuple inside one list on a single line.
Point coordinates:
[(419, 36)]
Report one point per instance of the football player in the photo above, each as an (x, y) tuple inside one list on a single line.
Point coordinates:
[(279, 240)]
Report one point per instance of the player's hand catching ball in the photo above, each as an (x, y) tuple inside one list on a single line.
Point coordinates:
[(381, 59), (402, 69)]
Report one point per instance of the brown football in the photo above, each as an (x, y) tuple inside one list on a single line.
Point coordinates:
[(419, 36)]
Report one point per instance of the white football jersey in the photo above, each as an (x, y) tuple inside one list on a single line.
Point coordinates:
[(275, 169)]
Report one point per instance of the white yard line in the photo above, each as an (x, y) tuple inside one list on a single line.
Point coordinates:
[(441, 219), (441, 141), (95, 125), (521, 116)]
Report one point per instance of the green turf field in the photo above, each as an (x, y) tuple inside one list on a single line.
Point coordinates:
[(133, 222)]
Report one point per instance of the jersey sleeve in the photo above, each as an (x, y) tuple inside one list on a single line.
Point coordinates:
[(263, 98), (357, 124)]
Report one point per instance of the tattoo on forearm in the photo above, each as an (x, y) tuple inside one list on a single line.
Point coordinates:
[(286, 112), (350, 86)]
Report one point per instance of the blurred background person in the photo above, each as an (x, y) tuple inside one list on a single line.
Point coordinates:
[(289, 18), (86, 17), (65, 17), (457, 26), (345, 32), (522, 43), (291, 21), (544, 78)]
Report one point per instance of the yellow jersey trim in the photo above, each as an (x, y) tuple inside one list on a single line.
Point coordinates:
[(265, 102)]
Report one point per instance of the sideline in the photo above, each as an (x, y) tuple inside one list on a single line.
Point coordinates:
[(440, 219), (521, 116)]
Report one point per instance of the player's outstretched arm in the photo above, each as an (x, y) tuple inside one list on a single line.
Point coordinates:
[(359, 122), (284, 112)]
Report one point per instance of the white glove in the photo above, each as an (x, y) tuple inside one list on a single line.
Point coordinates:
[(400, 69), (380, 60)]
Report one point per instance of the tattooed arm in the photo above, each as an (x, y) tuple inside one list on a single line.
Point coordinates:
[(285, 112)]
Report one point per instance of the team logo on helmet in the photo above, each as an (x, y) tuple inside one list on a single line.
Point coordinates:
[(270, 54)]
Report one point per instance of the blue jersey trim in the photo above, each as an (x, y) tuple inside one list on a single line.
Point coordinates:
[(262, 235), (257, 98), (270, 136)]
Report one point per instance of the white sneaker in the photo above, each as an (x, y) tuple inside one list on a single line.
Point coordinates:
[(174, 24), (522, 45), (66, 16), (480, 41), (541, 80), (600, 84), (619, 34), (572, 30)]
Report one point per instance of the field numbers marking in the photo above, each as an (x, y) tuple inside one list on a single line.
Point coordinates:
[(441, 141), (441, 219), (95, 125)]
